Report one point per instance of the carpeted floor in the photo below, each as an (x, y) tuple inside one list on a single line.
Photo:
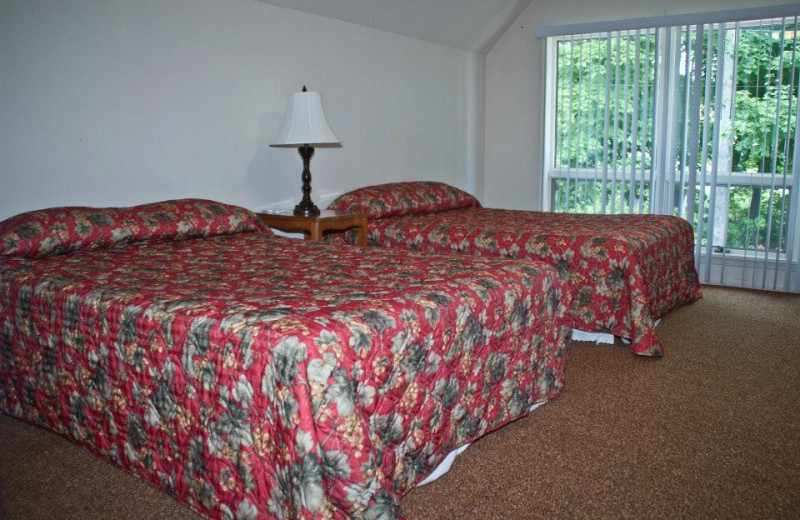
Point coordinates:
[(712, 430)]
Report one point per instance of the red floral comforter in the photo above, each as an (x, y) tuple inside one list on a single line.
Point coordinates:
[(623, 271), (256, 377)]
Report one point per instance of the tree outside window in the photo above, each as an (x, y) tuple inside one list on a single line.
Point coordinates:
[(624, 101)]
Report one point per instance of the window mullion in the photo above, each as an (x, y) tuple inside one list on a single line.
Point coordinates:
[(672, 121), (580, 145), (731, 95), (606, 116), (790, 97), (635, 121), (661, 113), (646, 128), (775, 129), (715, 164), (570, 121), (625, 127), (596, 128), (683, 165), (701, 225), (551, 139), (792, 232), (616, 134), (694, 124)]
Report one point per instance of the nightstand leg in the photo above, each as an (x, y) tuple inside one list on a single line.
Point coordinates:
[(316, 232)]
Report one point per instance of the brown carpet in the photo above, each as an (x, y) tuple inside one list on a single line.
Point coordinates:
[(712, 430)]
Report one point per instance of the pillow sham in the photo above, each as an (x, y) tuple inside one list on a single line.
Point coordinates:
[(403, 198), (61, 230)]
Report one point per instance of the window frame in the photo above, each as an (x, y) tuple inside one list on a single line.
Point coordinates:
[(667, 126)]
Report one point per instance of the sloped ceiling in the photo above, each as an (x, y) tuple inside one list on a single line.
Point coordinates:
[(472, 25)]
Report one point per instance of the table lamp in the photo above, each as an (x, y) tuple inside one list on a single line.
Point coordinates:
[(304, 126)]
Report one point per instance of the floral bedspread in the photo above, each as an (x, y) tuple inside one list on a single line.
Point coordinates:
[(257, 377), (623, 271)]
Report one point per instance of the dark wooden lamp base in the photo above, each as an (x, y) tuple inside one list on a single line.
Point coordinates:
[(306, 207)]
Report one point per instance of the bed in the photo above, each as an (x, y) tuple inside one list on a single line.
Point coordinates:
[(252, 376), (624, 272)]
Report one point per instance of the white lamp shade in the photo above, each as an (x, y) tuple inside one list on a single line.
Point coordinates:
[(304, 122)]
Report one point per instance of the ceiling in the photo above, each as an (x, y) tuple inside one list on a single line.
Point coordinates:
[(472, 25)]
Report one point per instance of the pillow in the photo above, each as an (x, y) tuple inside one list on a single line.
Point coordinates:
[(403, 198), (61, 230), (188, 218)]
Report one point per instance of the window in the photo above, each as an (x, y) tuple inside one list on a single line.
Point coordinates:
[(691, 120)]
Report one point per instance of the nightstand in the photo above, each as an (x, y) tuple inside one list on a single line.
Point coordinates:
[(316, 227)]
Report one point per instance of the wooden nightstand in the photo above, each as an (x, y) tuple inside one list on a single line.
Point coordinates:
[(316, 227)]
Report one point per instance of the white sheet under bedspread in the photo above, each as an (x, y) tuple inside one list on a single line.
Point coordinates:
[(444, 466), (598, 337)]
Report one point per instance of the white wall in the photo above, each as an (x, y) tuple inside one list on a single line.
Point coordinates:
[(515, 87), (119, 102)]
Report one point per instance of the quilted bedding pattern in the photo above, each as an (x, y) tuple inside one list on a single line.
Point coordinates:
[(257, 377), (623, 271)]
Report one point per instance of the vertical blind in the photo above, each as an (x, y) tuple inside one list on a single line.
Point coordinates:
[(697, 121)]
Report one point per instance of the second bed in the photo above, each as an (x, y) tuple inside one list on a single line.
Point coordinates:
[(624, 272)]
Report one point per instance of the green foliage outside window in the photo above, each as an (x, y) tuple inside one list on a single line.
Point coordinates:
[(766, 85)]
